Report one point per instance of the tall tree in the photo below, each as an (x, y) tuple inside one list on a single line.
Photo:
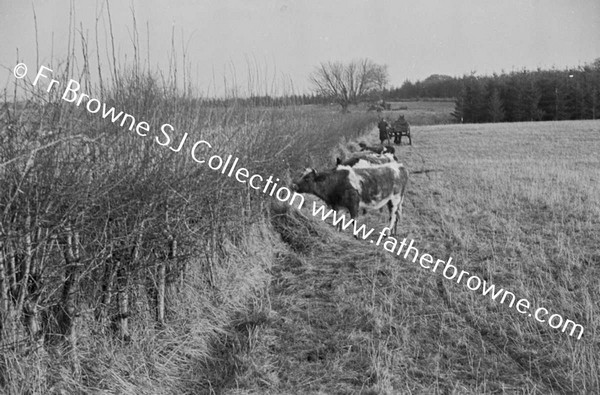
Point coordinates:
[(474, 100), (530, 102), (495, 107), (348, 83), (459, 106), (512, 97)]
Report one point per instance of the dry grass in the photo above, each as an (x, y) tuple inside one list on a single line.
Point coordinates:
[(422, 112), (107, 185), (517, 204), (264, 299)]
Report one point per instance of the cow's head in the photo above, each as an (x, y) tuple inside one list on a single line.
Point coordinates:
[(306, 182), (388, 149)]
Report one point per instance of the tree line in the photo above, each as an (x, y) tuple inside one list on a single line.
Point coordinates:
[(266, 100), (540, 95)]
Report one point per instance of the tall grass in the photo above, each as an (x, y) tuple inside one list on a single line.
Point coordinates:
[(125, 265)]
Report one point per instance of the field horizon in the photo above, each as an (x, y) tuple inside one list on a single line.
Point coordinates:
[(151, 236), (194, 284)]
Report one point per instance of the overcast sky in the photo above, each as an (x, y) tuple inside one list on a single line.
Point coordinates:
[(283, 39)]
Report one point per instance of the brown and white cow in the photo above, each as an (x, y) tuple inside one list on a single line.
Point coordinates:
[(366, 159), (378, 149), (354, 188)]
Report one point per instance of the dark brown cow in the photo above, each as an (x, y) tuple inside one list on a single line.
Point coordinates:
[(355, 188)]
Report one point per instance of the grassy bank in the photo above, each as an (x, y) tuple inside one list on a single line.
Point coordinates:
[(126, 265)]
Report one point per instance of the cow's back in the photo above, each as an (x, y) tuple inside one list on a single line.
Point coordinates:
[(378, 182), (363, 159)]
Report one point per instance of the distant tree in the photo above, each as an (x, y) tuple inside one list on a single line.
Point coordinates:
[(459, 107), (512, 99), (595, 90), (437, 85), (495, 107), (519, 96), (530, 102), (381, 76), (548, 104), (474, 109), (591, 89), (407, 90), (348, 83)]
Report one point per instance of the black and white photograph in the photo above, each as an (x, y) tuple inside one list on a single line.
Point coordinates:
[(246, 197)]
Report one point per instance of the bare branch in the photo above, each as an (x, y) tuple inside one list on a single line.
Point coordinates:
[(348, 83)]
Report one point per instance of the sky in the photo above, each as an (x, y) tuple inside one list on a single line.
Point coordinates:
[(271, 46)]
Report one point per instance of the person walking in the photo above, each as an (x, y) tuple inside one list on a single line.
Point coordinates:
[(383, 126)]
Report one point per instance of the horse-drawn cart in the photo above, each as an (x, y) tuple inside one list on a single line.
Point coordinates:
[(400, 128)]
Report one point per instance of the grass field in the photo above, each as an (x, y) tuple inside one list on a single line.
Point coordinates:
[(422, 112), (517, 204), (130, 268)]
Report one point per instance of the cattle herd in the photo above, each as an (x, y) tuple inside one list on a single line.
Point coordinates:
[(369, 179)]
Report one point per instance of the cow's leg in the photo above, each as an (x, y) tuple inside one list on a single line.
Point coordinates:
[(336, 209), (395, 205), (390, 208), (398, 212), (353, 206), (392, 221), (339, 225)]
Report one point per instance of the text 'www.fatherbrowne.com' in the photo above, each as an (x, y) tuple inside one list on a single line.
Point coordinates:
[(269, 186), (449, 271)]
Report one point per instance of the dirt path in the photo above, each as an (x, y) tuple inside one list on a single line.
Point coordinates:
[(325, 318)]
